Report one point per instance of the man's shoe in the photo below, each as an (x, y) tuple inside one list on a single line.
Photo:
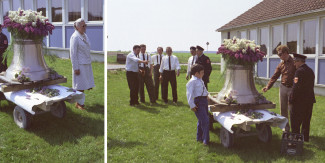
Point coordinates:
[(142, 101)]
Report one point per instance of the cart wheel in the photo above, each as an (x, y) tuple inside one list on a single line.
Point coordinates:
[(59, 109), (264, 132), (21, 117), (226, 138)]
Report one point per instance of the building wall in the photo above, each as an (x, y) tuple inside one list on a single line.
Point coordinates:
[(60, 39), (310, 32)]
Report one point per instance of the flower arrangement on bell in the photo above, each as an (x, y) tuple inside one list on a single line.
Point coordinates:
[(28, 24), (229, 99), (21, 76), (240, 51)]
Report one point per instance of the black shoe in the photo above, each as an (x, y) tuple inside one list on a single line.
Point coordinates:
[(166, 102), (142, 101)]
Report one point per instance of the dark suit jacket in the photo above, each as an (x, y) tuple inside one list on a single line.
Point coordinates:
[(303, 86), (206, 63)]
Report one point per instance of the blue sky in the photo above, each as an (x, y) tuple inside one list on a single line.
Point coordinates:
[(175, 23)]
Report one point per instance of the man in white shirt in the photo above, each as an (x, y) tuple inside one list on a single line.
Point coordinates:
[(191, 62), (156, 60), (132, 72), (167, 69), (145, 76)]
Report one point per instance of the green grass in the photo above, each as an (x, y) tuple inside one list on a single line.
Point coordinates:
[(183, 57), (79, 137), (167, 133)]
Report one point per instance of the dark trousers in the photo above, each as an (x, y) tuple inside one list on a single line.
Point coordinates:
[(300, 117), (146, 79), (169, 76), (156, 76), (132, 78), (202, 133)]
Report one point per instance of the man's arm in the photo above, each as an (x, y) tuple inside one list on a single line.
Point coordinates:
[(273, 79)]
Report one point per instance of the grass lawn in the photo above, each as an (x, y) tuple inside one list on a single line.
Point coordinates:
[(167, 133), (183, 57), (79, 137)]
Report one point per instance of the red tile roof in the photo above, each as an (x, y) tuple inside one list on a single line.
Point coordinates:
[(270, 9)]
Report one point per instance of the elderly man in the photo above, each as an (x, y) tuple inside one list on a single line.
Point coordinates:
[(168, 66), (191, 62), (286, 69), (3, 47), (82, 75), (145, 76), (302, 97), (156, 60), (132, 72), (206, 63)]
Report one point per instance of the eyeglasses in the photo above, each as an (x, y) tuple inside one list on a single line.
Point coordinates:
[(280, 54)]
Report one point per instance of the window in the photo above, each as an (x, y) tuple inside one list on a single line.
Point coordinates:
[(292, 31), (28, 4), (16, 5), (74, 10), (243, 35), (41, 6), (228, 35), (309, 37), (5, 8), (253, 35), (56, 10), (323, 36), (95, 10), (276, 37), (264, 39)]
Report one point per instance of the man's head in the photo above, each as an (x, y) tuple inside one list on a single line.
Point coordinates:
[(193, 50), (169, 51), (143, 48), (199, 50), (197, 70), (299, 59), (80, 25), (160, 50), (283, 52), (136, 49)]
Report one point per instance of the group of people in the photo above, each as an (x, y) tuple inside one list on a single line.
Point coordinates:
[(296, 90), (140, 66)]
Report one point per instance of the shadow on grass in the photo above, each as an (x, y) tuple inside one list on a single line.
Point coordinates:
[(97, 108), (316, 142), (251, 149), (56, 131), (112, 143), (150, 109)]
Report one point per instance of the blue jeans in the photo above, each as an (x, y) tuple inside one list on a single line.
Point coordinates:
[(203, 120)]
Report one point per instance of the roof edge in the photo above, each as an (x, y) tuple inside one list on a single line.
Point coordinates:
[(268, 20)]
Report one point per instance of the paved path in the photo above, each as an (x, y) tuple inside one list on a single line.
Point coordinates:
[(122, 66)]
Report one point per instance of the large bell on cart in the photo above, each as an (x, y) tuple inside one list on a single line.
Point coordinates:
[(240, 84), (28, 57)]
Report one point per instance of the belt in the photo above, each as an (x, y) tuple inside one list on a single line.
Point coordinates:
[(201, 97), (169, 70), (288, 86)]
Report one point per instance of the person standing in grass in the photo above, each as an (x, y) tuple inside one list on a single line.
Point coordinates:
[(156, 59), (191, 61), (145, 76), (167, 69), (82, 75), (197, 93), (286, 69), (302, 97), (132, 74), (206, 63)]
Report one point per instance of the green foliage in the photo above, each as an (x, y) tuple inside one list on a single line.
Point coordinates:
[(79, 137), (167, 133)]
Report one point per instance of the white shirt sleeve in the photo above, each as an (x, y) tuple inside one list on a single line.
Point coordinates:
[(190, 93), (153, 59), (134, 58), (188, 66), (178, 67), (161, 69)]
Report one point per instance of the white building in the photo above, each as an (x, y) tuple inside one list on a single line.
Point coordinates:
[(298, 24), (62, 14)]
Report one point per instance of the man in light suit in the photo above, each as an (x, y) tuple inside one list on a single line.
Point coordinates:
[(82, 76)]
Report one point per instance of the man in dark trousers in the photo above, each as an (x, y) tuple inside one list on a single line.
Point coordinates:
[(132, 74), (156, 60), (302, 97), (169, 65), (3, 47), (206, 63), (145, 76)]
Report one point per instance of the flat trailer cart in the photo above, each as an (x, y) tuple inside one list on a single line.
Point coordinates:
[(29, 104), (236, 120)]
